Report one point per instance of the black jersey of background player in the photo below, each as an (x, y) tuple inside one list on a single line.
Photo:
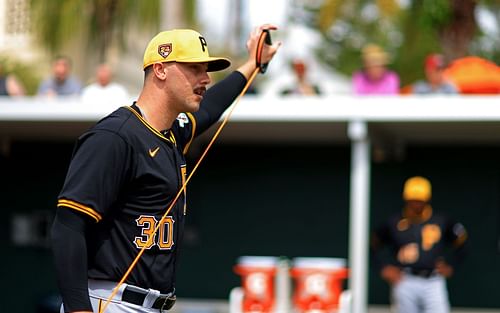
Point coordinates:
[(418, 245)]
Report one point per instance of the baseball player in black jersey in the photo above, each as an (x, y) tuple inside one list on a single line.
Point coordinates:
[(127, 169), (418, 239)]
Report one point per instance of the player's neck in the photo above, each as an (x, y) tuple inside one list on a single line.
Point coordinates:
[(418, 218), (156, 114)]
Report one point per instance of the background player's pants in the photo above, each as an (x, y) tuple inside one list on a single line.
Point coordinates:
[(415, 294), (99, 292)]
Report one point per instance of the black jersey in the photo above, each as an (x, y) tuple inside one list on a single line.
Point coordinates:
[(418, 246), (124, 174)]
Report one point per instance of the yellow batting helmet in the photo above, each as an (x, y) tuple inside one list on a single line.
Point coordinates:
[(417, 188)]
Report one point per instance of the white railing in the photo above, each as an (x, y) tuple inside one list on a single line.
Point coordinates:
[(302, 109)]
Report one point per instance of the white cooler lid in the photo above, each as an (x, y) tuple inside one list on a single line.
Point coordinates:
[(258, 261), (320, 263)]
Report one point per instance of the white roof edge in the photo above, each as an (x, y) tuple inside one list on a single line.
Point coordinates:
[(288, 109)]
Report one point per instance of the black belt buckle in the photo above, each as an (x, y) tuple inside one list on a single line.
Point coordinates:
[(424, 273), (137, 295), (165, 303)]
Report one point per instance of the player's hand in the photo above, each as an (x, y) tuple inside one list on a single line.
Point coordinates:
[(391, 274), (268, 51), (444, 269)]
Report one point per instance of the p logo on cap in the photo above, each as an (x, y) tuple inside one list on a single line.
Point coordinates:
[(183, 46)]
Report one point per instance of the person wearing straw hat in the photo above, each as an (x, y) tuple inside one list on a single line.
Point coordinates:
[(118, 228), (418, 239), (375, 78)]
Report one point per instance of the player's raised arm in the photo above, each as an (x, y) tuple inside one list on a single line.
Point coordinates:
[(220, 96)]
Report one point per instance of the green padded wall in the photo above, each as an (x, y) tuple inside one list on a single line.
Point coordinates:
[(270, 200)]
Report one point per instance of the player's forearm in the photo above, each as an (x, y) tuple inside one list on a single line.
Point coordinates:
[(70, 255), (247, 68), (217, 99), (458, 256)]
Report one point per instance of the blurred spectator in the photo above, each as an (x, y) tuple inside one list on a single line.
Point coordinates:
[(435, 80), (62, 83), (9, 85), (375, 78), (302, 85), (104, 90)]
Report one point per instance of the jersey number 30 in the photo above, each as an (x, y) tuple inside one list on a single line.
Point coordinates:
[(149, 237)]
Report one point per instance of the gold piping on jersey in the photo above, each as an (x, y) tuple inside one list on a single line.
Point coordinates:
[(172, 138), (193, 130), (79, 207), (184, 176), (151, 128)]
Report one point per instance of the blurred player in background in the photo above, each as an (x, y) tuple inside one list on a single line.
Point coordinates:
[(418, 239)]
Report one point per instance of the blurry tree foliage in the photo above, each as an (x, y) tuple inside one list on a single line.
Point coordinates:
[(22, 71), (408, 30), (99, 23)]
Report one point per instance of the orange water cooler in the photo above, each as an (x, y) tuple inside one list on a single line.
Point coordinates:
[(318, 284), (257, 280)]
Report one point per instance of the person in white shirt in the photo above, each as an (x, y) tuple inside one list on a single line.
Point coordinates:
[(104, 90)]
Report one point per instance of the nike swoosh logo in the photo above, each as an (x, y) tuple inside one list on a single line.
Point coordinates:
[(152, 153)]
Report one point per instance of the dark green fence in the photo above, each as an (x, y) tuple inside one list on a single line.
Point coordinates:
[(269, 200)]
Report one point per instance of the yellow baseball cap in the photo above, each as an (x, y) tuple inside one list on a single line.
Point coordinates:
[(183, 46), (417, 188)]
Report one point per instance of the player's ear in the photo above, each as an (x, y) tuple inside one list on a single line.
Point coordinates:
[(160, 70)]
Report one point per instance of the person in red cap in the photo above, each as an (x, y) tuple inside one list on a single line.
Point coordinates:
[(436, 82), (302, 85)]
